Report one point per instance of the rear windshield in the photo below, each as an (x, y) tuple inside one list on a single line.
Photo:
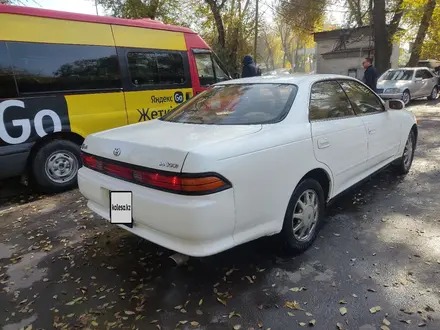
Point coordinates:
[(240, 104), (398, 75)]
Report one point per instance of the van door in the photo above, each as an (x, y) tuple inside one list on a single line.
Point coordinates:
[(209, 69)]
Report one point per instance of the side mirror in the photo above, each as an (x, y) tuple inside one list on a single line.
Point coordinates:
[(395, 105)]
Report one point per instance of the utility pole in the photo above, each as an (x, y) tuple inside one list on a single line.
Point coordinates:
[(256, 31)]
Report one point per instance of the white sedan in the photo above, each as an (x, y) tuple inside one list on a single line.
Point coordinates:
[(245, 159)]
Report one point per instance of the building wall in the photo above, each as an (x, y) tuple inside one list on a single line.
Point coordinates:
[(346, 62)]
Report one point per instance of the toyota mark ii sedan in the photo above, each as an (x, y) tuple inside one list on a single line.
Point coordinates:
[(245, 159)]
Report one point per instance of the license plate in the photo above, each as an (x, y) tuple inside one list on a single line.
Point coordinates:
[(121, 208)]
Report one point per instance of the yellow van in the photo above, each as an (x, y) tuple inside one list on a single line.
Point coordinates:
[(64, 76)]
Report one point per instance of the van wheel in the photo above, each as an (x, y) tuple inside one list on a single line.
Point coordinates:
[(304, 216), (403, 164), (434, 94), (56, 165)]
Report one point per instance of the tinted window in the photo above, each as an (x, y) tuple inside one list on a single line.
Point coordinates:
[(398, 75), (50, 67), (236, 104), (328, 101), (148, 68), (7, 83), (363, 100), (426, 74)]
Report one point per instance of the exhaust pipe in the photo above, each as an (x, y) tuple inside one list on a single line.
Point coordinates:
[(179, 258)]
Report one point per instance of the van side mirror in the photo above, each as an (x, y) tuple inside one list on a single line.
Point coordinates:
[(395, 105)]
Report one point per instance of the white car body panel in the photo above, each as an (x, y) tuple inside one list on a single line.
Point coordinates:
[(264, 163)]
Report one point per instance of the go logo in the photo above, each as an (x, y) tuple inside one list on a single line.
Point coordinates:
[(25, 124), (178, 97)]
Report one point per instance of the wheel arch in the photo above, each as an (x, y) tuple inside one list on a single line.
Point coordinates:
[(322, 177), (69, 136)]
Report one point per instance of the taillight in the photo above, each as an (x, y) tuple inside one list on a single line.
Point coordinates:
[(192, 184)]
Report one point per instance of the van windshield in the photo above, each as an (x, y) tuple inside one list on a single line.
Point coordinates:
[(236, 104), (398, 75)]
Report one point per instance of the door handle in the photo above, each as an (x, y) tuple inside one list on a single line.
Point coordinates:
[(371, 131), (323, 143)]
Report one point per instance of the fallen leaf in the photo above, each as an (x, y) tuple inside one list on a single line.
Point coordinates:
[(386, 322), (94, 323), (223, 302), (309, 314), (343, 311), (129, 313), (302, 324), (260, 324), (406, 321), (154, 321), (423, 324), (312, 323), (293, 305), (384, 327), (200, 302), (297, 289), (179, 307), (371, 290), (249, 279), (237, 327), (339, 326), (342, 302), (199, 312), (337, 235), (290, 314), (194, 323), (375, 309), (232, 314)]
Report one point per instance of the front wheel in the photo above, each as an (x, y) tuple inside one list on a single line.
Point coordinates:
[(56, 165), (404, 163), (303, 217), (406, 97), (434, 94)]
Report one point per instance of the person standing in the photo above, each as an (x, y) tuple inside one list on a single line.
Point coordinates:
[(370, 75), (249, 67)]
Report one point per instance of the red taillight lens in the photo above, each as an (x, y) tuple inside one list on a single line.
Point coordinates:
[(169, 182)]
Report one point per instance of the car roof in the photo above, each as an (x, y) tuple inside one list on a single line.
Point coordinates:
[(294, 79), (410, 68)]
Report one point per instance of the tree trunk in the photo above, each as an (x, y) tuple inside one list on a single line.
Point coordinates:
[(423, 28), (380, 37), (394, 26), (215, 9)]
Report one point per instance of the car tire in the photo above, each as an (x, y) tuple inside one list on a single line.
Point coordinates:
[(55, 166), (406, 97), (403, 164), (434, 94), (295, 241)]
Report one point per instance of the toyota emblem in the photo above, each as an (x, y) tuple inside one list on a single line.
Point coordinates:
[(117, 152)]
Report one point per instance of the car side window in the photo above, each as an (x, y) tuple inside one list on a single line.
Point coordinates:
[(427, 74), (328, 101), (363, 100), (419, 74)]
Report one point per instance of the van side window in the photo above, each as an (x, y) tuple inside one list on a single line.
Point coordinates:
[(163, 68), (7, 82)]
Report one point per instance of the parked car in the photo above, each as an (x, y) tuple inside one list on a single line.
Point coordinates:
[(245, 159), (408, 84)]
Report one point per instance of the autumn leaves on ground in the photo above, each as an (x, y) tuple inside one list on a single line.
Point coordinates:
[(375, 265)]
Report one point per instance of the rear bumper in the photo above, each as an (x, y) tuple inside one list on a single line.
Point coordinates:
[(194, 225)]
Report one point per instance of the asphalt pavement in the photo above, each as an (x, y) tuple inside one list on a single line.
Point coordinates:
[(375, 265)]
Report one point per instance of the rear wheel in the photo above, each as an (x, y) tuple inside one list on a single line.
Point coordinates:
[(304, 216), (56, 165), (406, 97), (403, 165), (434, 94)]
